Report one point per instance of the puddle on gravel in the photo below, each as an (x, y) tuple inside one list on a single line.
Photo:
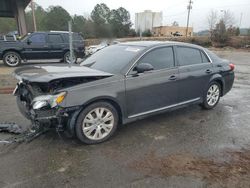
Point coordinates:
[(233, 172)]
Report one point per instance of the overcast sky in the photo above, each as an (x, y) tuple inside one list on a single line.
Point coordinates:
[(172, 10)]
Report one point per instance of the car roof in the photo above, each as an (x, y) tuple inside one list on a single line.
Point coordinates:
[(149, 44), (54, 32)]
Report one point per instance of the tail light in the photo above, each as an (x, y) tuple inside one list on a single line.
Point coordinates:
[(232, 66)]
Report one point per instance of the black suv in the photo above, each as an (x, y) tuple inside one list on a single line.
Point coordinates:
[(41, 45)]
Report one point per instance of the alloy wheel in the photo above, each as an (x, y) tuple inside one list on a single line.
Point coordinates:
[(98, 123), (68, 60), (12, 59), (213, 94)]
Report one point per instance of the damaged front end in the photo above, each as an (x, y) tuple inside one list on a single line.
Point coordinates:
[(42, 107), (42, 97)]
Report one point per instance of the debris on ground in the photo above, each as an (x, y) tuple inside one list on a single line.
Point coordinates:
[(22, 136), (11, 128)]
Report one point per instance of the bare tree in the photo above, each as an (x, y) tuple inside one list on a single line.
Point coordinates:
[(212, 19), (228, 18)]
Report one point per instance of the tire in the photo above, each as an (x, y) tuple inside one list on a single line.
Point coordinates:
[(66, 57), (97, 130), (212, 95), (22, 109), (12, 59)]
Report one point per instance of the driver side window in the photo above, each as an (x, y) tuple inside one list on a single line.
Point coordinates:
[(38, 38), (159, 58)]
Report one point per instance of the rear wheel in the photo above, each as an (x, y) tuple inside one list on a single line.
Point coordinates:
[(97, 123), (66, 58), (212, 95), (12, 59)]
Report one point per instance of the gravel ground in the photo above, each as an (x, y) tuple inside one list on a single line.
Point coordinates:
[(189, 147)]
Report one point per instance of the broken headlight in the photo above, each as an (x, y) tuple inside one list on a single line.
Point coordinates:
[(48, 100)]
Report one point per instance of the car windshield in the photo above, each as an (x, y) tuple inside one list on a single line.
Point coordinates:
[(113, 58)]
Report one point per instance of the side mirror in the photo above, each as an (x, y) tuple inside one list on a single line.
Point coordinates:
[(29, 41), (143, 67)]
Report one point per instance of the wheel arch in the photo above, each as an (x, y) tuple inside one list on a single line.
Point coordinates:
[(112, 101), (12, 50), (219, 79)]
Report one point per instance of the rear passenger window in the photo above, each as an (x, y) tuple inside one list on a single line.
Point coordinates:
[(160, 58), (188, 56), (55, 39)]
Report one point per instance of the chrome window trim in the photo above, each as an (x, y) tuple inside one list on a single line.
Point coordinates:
[(172, 46), (201, 50), (155, 47), (207, 55), (163, 108)]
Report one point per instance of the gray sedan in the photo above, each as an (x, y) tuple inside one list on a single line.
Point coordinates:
[(120, 84)]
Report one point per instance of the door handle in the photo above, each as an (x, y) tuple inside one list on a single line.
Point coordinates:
[(208, 71), (173, 77)]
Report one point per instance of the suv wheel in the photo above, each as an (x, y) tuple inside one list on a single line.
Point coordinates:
[(212, 95), (66, 58), (12, 59), (97, 123)]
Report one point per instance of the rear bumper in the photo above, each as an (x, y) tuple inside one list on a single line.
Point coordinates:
[(228, 82)]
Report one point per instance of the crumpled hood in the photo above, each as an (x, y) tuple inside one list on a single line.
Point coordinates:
[(47, 73)]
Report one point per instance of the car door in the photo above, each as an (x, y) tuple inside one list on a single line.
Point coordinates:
[(154, 90), (195, 70), (56, 46), (36, 47)]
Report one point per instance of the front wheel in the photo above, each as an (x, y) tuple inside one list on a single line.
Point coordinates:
[(97, 123), (12, 59), (66, 58), (212, 95)]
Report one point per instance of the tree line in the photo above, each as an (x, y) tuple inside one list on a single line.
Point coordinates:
[(102, 22), (222, 27)]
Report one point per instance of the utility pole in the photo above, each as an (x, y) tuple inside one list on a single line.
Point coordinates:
[(70, 42), (189, 7), (241, 14), (33, 14)]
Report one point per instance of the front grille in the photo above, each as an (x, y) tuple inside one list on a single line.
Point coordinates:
[(45, 113)]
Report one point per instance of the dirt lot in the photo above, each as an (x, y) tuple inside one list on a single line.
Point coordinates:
[(189, 147)]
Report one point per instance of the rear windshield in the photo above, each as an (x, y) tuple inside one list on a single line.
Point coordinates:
[(112, 59)]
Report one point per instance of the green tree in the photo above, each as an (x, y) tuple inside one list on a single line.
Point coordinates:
[(100, 16), (147, 33), (7, 25), (56, 19), (78, 24), (220, 33), (237, 32), (40, 14), (89, 29), (119, 20), (132, 33)]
